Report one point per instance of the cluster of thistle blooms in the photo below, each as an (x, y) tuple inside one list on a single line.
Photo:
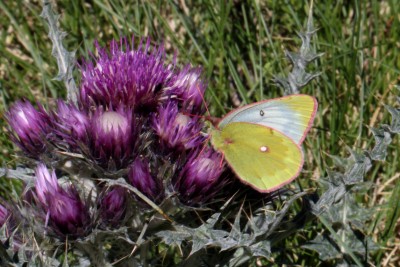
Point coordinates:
[(136, 119)]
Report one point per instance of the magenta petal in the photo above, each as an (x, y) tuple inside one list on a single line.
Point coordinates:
[(29, 127), (200, 178), (140, 177), (66, 213)]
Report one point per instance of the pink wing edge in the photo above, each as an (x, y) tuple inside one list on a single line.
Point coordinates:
[(311, 120)]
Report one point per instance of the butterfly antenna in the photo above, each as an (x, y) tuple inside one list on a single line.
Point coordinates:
[(204, 101), (204, 144)]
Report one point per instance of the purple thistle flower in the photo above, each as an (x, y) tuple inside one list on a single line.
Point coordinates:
[(176, 130), (65, 213), (112, 206), (199, 179), (29, 127), (190, 89), (70, 124), (139, 176), (127, 77), (113, 138)]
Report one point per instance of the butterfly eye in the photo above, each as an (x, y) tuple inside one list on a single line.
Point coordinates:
[(262, 113), (264, 149)]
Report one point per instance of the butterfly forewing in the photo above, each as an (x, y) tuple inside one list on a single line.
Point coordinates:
[(260, 156), (290, 115)]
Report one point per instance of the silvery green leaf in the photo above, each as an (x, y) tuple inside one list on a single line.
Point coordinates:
[(231, 243), (336, 189), (339, 161), (325, 247), (203, 238), (382, 140), (261, 249), (175, 237), (65, 59), (25, 174), (260, 224), (395, 123), (280, 215), (211, 222), (236, 232), (355, 172), (239, 258), (298, 77), (340, 212)]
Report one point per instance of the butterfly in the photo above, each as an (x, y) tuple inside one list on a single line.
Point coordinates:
[(262, 141)]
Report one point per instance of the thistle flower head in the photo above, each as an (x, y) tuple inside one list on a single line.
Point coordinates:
[(200, 178), (139, 176), (190, 89), (176, 130), (29, 127), (70, 124), (65, 213), (126, 77), (112, 206), (112, 138), (46, 184)]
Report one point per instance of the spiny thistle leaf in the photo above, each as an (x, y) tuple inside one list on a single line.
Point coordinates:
[(253, 238), (382, 140), (324, 246), (176, 237), (352, 214), (337, 205), (328, 249), (395, 124), (261, 249), (65, 59), (335, 189), (22, 173), (260, 223), (299, 77), (356, 171)]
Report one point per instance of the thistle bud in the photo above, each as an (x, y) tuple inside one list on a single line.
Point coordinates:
[(67, 215), (139, 176), (199, 180), (112, 138), (70, 124), (190, 89), (112, 206), (29, 126), (176, 130)]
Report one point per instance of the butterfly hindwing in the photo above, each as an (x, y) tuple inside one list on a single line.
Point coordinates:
[(290, 115), (260, 156)]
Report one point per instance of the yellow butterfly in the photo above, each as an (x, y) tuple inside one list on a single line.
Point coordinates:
[(261, 141)]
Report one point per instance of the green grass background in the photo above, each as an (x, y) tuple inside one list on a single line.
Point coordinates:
[(240, 45)]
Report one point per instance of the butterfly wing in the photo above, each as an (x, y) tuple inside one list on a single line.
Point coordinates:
[(261, 157), (291, 115)]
